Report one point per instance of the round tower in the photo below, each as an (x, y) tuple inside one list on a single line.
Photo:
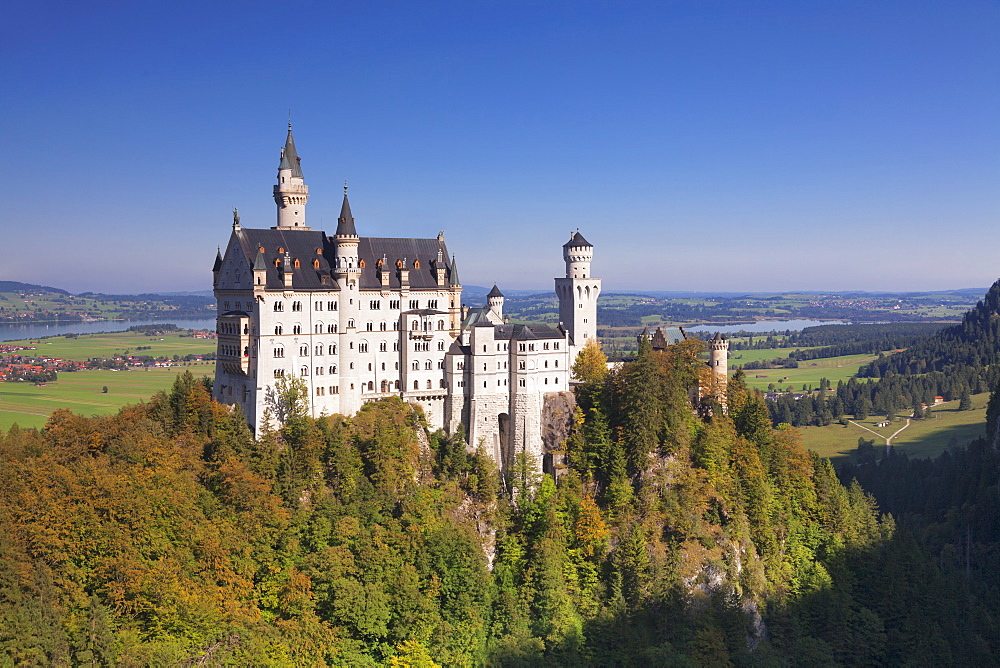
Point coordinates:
[(718, 354), (495, 301), (290, 193), (347, 271), (578, 293), (578, 253)]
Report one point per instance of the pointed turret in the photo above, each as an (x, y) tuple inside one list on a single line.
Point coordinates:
[(453, 278), (345, 223), (290, 193), (495, 300), (218, 260), (259, 263), (289, 156)]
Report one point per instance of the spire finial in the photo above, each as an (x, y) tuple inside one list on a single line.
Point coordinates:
[(289, 119), (345, 187)]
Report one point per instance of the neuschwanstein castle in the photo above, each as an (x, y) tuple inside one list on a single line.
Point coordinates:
[(363, 318)]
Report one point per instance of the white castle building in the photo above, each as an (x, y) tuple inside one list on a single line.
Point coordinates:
[(359, 319)]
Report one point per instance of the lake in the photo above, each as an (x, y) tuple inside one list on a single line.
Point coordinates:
[(39, 330)]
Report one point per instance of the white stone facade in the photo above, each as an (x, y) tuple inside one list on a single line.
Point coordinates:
[(359, 318)]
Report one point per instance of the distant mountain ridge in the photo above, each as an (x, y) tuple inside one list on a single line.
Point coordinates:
[(17, 286)]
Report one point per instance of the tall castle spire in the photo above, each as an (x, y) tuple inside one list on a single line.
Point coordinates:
[(290, 193), (345, 223)]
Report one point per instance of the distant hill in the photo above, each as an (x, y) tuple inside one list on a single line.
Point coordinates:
[(973, 343), (16, 286)]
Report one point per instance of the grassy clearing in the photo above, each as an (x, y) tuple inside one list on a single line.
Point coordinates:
[(81, 392), (923, 438), (809, 372), (86, 346)]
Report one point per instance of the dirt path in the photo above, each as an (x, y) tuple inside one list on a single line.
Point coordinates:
[(888, 439)]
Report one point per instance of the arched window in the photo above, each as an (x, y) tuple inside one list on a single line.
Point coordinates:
[(416, 366), (277, 330), (440, 345), (296, 329), (416, 385), (332, 349), (440, 324), (279, 306), (350, 323), (399, 264), (414, 326), (429, 384), (277, 263), (316, 263), (416, 264), (261, 249), (427, 364), (371, 386), (304, 371), (296, 263), (281, 249), (333, 369), (361, 265), (396, 384)]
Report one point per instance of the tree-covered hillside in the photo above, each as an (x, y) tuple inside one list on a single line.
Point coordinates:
[(166, 535)]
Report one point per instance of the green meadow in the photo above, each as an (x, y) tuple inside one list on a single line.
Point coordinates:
[(922, 438), (87, 346), (809, 372), (30, 405)]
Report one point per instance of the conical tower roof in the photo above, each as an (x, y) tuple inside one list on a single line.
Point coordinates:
[(218, 260), (345, 224), (289, 157), (495, 292), (453, 278), (260, 264), (577, 241)]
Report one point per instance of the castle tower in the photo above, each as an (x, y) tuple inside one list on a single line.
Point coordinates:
[(718, 362), (290, 193), (495, 301), (347, 271), (578, 293)]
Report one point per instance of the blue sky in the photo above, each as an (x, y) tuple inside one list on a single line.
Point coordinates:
[(699, 145)]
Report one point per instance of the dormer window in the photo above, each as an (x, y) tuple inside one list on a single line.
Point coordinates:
[(277, 262), (281, 249), (399, 264), (361, 264), (296, 263), (416, 264), (261, 249), (316, 264)]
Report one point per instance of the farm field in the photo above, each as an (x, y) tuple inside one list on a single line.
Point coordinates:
[(30, 405), (85, 346), (922, 439), (808, 373)]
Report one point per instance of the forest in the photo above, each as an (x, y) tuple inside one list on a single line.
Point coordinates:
[(675, 533)]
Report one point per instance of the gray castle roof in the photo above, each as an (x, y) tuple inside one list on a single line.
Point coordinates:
[(289, 157), (495, 292), (308, 246), (577, 241), (515, 332)]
